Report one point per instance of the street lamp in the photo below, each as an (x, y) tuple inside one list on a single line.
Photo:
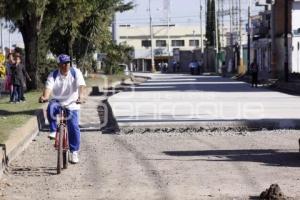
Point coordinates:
[(249, 34)]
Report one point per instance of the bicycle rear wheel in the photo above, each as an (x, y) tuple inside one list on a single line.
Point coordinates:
[(61, 129)]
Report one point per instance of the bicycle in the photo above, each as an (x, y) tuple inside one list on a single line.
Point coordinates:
[(62, 138)]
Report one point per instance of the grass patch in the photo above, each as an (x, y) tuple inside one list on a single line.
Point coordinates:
[(15, 115), (103, 80)]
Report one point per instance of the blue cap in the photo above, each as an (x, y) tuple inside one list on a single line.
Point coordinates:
[(63, 58)]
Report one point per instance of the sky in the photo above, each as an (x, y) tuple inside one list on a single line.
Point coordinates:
[(16, 37), (180, 11)]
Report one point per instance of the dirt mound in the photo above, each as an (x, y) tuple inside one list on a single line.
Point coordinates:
[(273, 193)]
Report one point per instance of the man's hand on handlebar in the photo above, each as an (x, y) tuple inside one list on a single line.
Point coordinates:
[(42, 99), (80, 100)]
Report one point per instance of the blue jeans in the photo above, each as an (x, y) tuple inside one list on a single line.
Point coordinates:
[(16, 93), (72, 122)]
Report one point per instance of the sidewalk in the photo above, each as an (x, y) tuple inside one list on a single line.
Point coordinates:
[(179, 100)]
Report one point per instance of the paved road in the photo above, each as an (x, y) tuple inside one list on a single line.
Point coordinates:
[(159, 166), (180, 99)]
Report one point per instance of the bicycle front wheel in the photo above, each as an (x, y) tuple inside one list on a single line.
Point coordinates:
[(61, 130), (65, 159)]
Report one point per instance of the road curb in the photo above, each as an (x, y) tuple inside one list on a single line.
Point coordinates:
[(20, 138), (212, 125)]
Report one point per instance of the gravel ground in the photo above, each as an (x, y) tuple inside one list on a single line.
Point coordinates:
[(202, 165)]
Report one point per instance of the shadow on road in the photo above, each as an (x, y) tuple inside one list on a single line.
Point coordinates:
[(196, 83), (270, 157), (11, 113), (31, 171)]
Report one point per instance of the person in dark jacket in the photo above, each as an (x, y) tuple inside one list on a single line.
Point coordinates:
[(19, 75), (254, 72)]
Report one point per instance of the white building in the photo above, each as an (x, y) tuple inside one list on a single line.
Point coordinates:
[(165, 41), (164, 38)]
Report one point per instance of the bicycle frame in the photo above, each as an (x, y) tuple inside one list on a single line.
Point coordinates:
[(62, 122)]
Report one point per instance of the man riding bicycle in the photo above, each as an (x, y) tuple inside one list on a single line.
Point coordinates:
[(66, 85)]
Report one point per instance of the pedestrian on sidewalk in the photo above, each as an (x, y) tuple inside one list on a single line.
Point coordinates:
[(192, 67), (19, 75), (10, 61), (223, 69), (165, 67), (254, 68), (66, 85), (200, 66), (178, 67), (174, 65)]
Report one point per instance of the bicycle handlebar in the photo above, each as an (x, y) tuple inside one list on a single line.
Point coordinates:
[(77, 102)]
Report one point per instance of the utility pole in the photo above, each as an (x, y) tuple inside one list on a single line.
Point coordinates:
[(241, 40), (216, 27), (151, 37), (230, 23), (201, 29), (222, 24), (237, 16), (286, 42), (218, 24), (231, 36), (249, 34), (205, 52), (216, 35), (167, 7)]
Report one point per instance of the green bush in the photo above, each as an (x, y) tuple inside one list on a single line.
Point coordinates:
[(113, 70), (45, 67)]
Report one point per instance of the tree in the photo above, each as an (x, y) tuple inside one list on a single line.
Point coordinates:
[(27, 16), (117, 54), (89, 32), (56, 24)]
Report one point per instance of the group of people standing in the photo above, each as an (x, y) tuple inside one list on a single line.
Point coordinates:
[(163, 67), (16, 75)]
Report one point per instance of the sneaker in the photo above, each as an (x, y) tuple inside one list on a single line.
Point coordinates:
[(52, 135), (74, 157)]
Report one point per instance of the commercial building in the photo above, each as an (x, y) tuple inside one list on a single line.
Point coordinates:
[(166, 40)]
